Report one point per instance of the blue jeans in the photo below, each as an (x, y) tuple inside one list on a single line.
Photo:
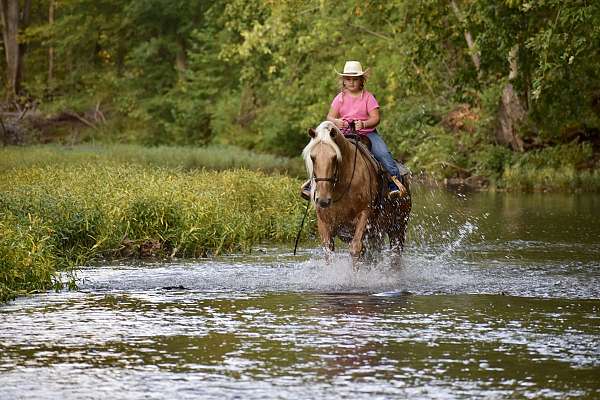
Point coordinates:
[(382, 154)]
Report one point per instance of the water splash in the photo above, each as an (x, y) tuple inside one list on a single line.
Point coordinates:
[(464, 232)]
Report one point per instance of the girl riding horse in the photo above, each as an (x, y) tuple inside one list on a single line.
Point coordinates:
[(356, 104)]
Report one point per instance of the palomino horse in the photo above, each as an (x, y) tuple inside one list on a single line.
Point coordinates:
[(349, 196)]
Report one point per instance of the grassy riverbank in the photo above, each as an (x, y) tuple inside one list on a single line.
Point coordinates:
[(180, 157), (55, 216)]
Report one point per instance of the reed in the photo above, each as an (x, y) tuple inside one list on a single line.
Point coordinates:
[(56, 218)]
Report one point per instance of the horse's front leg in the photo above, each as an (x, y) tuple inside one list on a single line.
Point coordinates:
[(326, 235), (356, 246)]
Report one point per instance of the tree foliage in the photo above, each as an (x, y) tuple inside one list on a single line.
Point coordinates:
[(258, 73)]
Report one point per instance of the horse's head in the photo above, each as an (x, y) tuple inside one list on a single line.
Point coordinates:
[(323, 158)]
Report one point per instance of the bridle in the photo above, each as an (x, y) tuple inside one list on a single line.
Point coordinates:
[(336, 178)]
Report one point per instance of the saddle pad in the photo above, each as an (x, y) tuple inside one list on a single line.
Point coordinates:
[(365, 151)]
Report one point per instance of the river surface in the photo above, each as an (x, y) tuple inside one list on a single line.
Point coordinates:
[(496, 297)]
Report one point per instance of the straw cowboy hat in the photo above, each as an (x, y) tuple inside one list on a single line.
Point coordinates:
[(353, 68)]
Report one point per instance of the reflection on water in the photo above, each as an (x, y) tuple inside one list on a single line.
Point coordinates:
[(157, 344), (498, 296)]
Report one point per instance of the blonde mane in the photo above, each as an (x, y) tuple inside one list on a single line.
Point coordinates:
[(322, 135)]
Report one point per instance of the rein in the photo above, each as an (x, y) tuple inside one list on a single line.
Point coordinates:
[(308, 203), (351, 177)]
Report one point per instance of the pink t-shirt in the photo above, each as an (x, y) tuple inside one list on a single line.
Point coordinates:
[(355, 108)]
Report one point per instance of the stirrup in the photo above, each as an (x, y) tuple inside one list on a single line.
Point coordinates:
[(394, 194)]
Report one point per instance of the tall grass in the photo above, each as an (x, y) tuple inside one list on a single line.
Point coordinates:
[(564, 167), (186, 158), (523, 178), (56, 217)]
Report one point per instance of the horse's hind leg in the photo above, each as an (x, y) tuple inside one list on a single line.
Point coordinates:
[(397, 237), (397, 234), (373, 246), (396, 246)]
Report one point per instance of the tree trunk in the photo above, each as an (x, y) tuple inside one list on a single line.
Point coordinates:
[(10, 28), (13, 51), (511, 112), (248, 107), (51, 48), (22, 24), (475, 56), (181, 58)]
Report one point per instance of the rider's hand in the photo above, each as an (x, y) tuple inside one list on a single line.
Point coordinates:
[(360, 125), (340, 123)]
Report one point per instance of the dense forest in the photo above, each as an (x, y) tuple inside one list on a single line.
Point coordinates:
[(505, 93)]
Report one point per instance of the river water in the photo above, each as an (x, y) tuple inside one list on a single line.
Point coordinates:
[(496, 297)]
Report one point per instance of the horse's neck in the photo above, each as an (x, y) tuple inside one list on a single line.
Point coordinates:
[(347, 149), (351, 156)]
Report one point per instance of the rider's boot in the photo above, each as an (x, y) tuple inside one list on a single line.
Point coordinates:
[(305, 190), (396, 188)]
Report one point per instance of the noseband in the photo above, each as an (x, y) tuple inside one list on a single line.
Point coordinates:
[(333, 179)]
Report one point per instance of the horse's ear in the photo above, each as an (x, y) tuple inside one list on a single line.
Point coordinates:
[(312, 133), (333, 133)]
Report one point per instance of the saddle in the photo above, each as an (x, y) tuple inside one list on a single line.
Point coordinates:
[(364, 145)]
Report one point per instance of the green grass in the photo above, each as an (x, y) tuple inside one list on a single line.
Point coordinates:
[(185, 158), (564, 167), (566, 179), (60, 209), (569, 167)]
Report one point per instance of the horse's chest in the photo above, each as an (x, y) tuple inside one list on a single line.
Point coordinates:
[(346, 230), (337, 216), (342, 221)]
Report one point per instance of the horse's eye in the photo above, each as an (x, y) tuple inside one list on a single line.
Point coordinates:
[(312, 157)]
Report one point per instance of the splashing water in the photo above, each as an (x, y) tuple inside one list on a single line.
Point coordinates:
[(464, 231)]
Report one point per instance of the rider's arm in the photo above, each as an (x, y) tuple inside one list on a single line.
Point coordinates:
[(372, 121), (334, 116)]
